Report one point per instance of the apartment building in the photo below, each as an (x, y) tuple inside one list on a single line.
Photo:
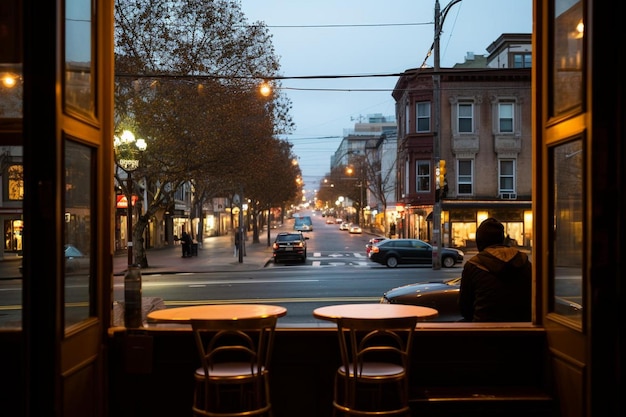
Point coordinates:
[(481, 131)]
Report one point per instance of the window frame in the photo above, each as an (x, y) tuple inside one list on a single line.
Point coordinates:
[(461, 178), (511, 118), (502, 176), (462, 117), (421, 174), (421, 116)]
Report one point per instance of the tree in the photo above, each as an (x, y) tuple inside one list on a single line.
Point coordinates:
[(186, 80)]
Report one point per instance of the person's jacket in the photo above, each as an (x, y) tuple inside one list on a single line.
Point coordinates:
[(496, 285)]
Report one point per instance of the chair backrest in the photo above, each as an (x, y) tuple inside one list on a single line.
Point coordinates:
[(243, 340), (381, 340)]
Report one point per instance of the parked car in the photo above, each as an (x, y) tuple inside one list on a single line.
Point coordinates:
[(443, 295), (289, 246), (355, 228), (371, 242), (393, 252)]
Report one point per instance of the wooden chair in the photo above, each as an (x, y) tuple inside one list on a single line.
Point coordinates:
[(372, 379), (233, 380)]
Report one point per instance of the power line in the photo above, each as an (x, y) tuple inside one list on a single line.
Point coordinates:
[(342, 25)]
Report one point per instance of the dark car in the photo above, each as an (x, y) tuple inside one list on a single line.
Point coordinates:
[(289, 246), (393, 252), (443, 295)]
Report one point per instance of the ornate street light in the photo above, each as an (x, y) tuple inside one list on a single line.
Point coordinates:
[(127, 150)]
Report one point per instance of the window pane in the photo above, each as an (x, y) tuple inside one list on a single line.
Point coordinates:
[(506, 167), (465, 118), (78, 216), (506, 117), (423, 176), (423, 117), (567, 243)]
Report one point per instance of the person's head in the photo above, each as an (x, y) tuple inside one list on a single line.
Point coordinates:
[(490, 232)]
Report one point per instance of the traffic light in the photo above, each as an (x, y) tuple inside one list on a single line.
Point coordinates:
[(442, 173)]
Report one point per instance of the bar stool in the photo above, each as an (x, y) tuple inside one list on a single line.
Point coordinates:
[(373, 377), (233, 380)]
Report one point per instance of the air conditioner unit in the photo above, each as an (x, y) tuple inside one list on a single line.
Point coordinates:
[(508, 196)]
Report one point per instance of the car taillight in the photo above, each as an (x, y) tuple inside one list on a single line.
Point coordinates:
[(374, 249)]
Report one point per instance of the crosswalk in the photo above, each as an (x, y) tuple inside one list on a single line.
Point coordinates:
[(330, 259)]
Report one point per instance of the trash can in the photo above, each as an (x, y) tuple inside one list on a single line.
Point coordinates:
[(194, 249)]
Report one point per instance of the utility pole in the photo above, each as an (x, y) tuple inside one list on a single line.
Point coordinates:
[(440, 16)]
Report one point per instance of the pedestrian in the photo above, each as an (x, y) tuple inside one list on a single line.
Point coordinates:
[(237, 240), (186, 244), (496, 284)]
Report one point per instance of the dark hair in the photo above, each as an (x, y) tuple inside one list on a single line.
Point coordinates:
[(489, 233)]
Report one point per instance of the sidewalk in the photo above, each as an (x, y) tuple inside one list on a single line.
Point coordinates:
[(215, 254)]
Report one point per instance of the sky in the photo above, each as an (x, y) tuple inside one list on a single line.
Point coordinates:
[(366, 37)]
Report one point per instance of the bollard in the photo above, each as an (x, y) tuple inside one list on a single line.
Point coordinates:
[(132, 297)]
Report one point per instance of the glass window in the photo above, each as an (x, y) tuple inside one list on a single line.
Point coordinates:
[(407, 130), (567, 241), (423, 176), (465, 119), (505, 117), (79, 91), (15, 186), (79, 207), (465, 177), (423, 116), (522, 60), (507, 176)]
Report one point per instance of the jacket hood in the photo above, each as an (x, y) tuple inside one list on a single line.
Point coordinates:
[(498, 258)]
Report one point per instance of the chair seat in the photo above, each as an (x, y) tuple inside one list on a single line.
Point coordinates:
[(376, 369), (237, 370)]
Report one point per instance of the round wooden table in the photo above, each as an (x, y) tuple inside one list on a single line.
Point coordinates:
[(216, 312), (373, 311)]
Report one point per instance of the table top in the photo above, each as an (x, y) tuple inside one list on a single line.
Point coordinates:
[(216, 312), (373, 311)]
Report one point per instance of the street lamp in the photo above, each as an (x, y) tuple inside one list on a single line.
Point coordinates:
[(127, 150)]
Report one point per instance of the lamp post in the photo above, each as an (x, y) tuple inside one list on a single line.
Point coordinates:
[(127, 150), (440, 16)]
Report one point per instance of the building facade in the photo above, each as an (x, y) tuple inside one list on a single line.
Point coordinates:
[(481, 133)]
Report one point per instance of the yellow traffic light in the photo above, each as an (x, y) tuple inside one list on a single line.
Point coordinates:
[(442, 173)]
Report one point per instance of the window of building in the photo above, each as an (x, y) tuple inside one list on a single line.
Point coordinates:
[(522, 60), (15, 185), (505, 117), (406, 120), (465, 177), (422, 112), (465, 117), (406, 176), (422, 177), (507, 176)]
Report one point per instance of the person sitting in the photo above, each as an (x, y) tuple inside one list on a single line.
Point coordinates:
[(496, 284)]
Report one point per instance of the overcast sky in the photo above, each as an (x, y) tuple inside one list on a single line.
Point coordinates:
[(365, 37)]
